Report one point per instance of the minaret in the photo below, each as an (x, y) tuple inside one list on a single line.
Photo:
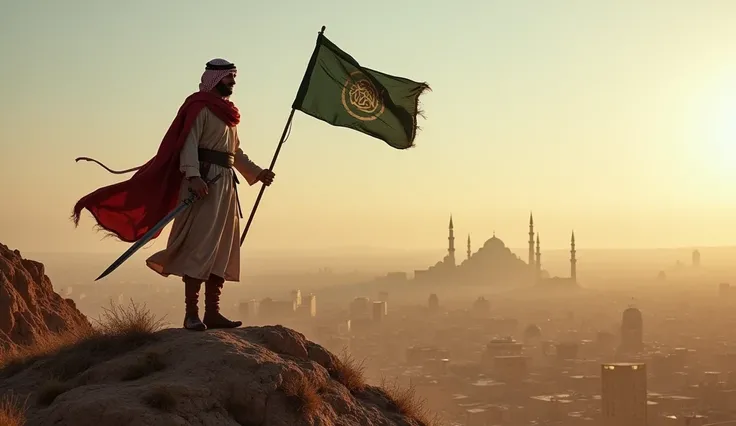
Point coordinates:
[(531, 239), (573, 260), (469, 252), (451, 247), (538, 263)]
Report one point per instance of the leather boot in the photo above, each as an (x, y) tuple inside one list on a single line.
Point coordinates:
[(191, 299), (212, 316)]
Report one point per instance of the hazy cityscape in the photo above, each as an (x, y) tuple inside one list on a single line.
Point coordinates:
[(638, 338)]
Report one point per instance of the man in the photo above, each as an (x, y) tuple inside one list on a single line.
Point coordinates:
[(203, 246)]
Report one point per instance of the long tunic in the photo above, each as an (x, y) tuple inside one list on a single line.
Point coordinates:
[(205, 238)]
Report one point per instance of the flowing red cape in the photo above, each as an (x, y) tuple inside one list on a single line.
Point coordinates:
[(131, 208)]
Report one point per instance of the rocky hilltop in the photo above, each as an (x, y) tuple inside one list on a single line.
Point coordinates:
[(29, 307), (270, 376), (57, 369)]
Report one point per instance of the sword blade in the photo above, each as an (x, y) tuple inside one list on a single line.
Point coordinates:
[(145, 238), (151, 232)]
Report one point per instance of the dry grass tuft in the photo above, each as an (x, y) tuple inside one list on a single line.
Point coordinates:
[(48, 392), (150, 363), (349, 372), (133, 320), (406, 402), (160, 398), (304, 393), (12, 410), (65, 356)]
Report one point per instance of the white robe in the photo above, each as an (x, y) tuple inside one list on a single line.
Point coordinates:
[(205, 238)]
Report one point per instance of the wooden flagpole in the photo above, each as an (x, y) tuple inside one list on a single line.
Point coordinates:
[(284, 136)]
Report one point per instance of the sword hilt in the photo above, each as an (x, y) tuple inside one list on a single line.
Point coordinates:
[(194, 197)]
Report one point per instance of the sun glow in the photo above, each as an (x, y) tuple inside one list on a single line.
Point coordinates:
[(716, 143)]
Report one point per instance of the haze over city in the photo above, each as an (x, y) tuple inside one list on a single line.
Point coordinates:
[(557, 247)]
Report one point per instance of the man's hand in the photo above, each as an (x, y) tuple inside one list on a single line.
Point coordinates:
[(266, 176), (198, 186)]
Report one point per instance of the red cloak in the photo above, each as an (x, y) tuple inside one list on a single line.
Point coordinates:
[(131, 208)]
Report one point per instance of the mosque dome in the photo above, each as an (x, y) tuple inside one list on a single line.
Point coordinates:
[(494, 242)]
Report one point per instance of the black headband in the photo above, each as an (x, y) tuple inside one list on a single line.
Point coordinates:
[(214, 67)]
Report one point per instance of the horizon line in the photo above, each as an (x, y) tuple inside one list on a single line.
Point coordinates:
[(415, 250)]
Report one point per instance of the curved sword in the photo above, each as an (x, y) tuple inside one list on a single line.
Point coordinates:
[(193, 198)]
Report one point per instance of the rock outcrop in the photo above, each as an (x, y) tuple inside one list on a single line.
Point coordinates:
[(253, 376), (29, 307)]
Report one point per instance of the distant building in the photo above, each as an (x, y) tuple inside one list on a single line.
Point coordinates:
[(380, 310), (249, 309), (360, 308), (308, 309), (296, 296), (312, 303), (624, 394), (632, 331), (696, 258), (500, 347), (434, 302)]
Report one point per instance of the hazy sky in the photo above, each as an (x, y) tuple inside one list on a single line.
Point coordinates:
[(615, 118)]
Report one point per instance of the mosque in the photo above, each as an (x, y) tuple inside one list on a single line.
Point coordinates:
[(495, 264)]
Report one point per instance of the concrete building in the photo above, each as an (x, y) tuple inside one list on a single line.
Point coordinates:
[(380, 310), (360, 308), (632, 331), (312, 303), (624, 394)]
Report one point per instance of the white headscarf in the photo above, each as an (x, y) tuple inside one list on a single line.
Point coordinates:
[(214, 72)]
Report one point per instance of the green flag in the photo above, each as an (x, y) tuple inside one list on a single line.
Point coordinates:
[(338, 90)]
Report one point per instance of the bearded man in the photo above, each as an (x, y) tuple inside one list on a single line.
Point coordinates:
[(203, 246)]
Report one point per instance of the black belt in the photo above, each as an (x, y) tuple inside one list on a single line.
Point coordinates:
[(222, 159)]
